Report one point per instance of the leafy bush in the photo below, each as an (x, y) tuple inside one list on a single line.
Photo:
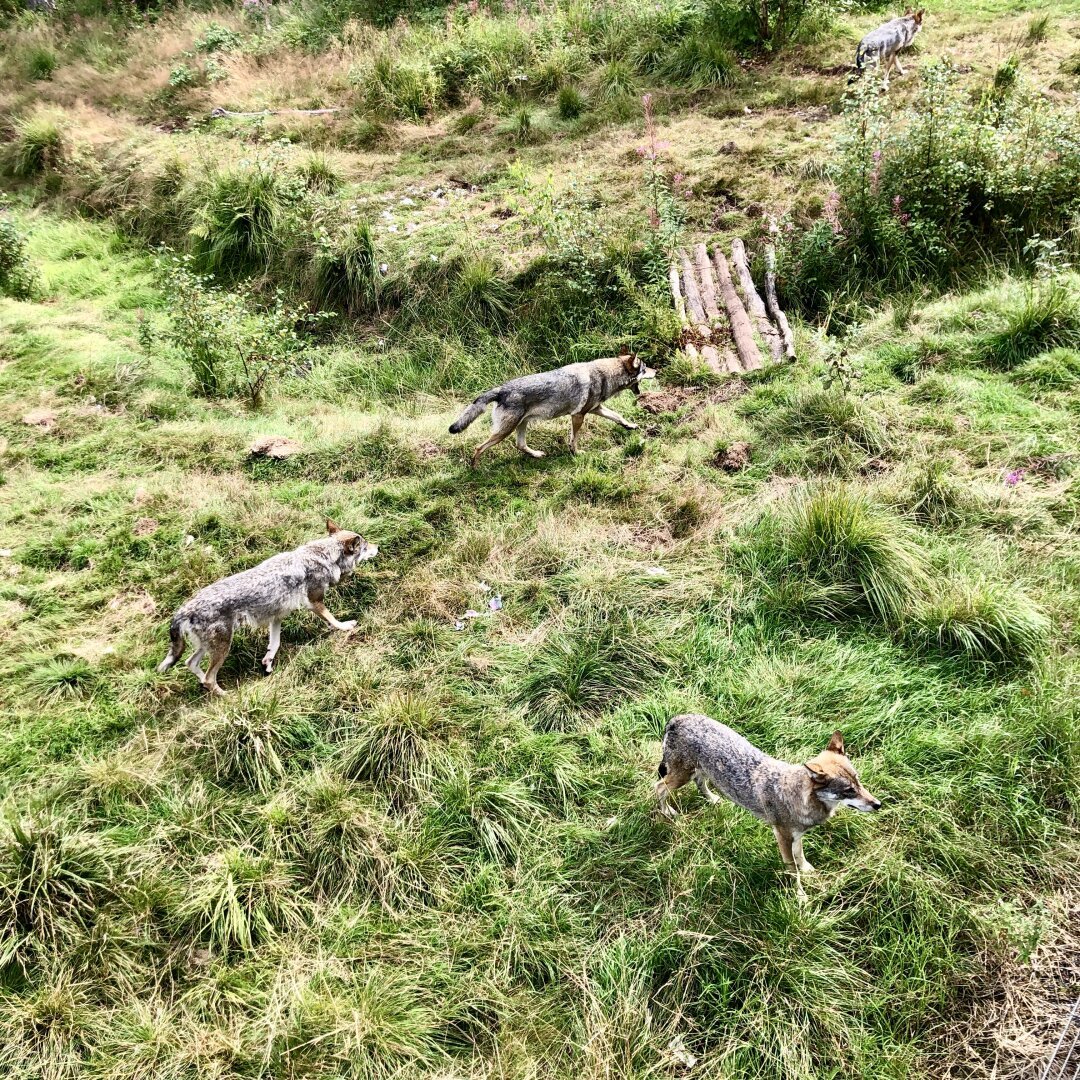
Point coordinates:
[(230, 342), (18, 278), (406, 88), (41, 62), (918, 189), (830, 552), (217, 38), (571, 103)]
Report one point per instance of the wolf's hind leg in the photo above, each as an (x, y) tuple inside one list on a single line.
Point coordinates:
[(272, 648), (707, 792), (503, 423), (194, 661), (219, 649), (176, 650), (899, 67), (520, 433), (575, 426), (672, 777)]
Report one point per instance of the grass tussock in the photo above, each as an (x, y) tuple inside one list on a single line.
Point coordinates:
[(983, 622), (832, 553)]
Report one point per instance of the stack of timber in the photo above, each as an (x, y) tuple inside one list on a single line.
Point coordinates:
[(723, 323)]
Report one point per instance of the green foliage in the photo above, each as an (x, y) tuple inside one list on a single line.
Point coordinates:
[(346, 270), (408, 89), (482, 293), (38, 147), (918, 188), (217, 38), (230, 342), (18, 278), (1058, 369), (832, 553), (240, 217), (984, 622), (1048, 318), (54, 881), (41, 62), (571, 103)]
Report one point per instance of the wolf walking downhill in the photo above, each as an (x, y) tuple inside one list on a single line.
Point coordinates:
[(263, 596), (790, 798), (574, 390), (882, 46)]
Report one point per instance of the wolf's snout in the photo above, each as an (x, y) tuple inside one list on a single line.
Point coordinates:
[(875, 804)]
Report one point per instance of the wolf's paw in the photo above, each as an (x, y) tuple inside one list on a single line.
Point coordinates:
[(630, 425), (348, 625), (806, 868), (214, 689), (268, 665)]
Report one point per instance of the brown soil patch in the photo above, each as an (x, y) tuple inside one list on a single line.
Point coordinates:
[(273, 446)]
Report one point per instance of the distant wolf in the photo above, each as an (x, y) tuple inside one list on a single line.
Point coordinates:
[(263, 596), (574, 390), (882, 46), (790, 798)]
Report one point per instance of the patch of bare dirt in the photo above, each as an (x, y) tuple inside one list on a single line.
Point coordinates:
[(733, 458), (45, 419), (428, 449), (274, 446), (145, 526)]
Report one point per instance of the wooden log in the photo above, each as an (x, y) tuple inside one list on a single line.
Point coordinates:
[(754, 304), (708, 283), (773, 304), (711, 359), (741, 330), (693, 295), (217, 114), (676, 294)]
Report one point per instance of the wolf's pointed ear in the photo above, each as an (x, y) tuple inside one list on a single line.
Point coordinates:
[(331, 528), (836, 743), (630, 361), (354, 543), (816, 775)]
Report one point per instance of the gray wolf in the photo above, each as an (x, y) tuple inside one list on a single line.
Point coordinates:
[(790, 798), (263, 596), (882, 46), (574, 390)]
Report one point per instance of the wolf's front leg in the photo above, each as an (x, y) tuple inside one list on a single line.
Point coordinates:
[(272, 648), (614, 417), (899, 67), (797, 854), (320, 609)]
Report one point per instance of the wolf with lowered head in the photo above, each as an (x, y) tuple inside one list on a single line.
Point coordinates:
[(882, 46), (790, 798), (574, 390), (263, 596)]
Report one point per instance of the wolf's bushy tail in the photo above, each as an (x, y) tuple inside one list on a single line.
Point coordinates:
[(474, 410), (176, 645)]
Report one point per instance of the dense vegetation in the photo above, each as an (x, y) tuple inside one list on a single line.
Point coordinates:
[(424, 851)]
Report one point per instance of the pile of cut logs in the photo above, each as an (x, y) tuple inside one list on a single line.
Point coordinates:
[(718, 323)]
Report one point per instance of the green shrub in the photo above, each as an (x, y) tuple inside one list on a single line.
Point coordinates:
[(1048, 318), (615, 81), (231, 342), (38, 147), (346, 270), (830, 552), (571, 103), (41, 62), (239, 219), (936, 498), (318, 174), (985, 622), (481, 292), (217, 38), (1058, 369), (406, 88), (18, 279), (918, 189), (701, 60)]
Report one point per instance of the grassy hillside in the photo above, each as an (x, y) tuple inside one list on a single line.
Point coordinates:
[(422, 851)]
